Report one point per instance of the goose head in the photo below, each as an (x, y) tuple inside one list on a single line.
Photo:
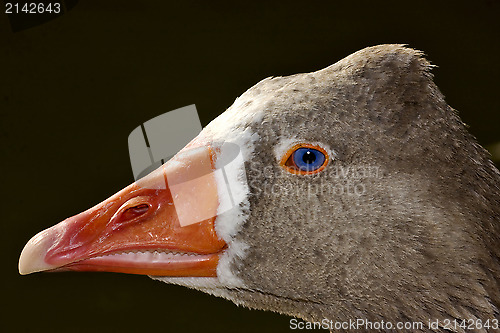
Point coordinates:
[(351, 192)]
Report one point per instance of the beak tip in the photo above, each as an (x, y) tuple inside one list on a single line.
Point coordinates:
[(32, 257)]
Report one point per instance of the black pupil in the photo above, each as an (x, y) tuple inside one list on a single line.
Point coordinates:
[(309, 157)]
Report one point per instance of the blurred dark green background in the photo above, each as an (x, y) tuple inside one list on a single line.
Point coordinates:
[(72, 89)]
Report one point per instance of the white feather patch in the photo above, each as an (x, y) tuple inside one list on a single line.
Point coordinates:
[(233, 190), (234, 205)]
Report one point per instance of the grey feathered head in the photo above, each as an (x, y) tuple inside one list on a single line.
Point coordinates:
[(401, 221)]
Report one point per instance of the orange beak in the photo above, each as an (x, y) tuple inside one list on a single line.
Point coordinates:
[(161, 225)]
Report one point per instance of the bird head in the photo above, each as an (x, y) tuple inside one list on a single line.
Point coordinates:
[(330, 194)]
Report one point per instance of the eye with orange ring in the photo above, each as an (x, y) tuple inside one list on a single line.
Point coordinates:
[(305, 159)]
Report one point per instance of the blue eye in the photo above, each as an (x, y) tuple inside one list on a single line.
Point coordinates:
[(308, 159), (305, 159)]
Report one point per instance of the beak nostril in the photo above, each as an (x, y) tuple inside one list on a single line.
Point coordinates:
[(136, 211)]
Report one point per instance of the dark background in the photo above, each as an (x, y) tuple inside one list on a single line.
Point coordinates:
[(73, 88)]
